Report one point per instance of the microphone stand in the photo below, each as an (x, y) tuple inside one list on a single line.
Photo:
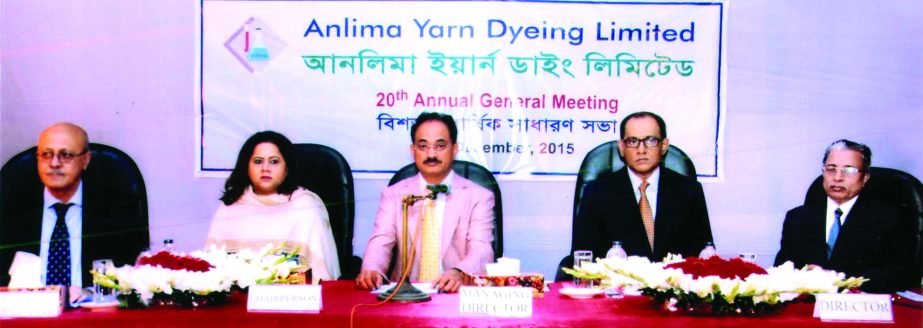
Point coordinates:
[(404, 291)]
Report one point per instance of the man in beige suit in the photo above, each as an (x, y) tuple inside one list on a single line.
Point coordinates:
[(465, 214)]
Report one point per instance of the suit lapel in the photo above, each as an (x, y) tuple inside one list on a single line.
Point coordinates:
[(90, 211), (663, 225), (851, 231), (452, 214), (32, 223), (816, 230), (409, 187), (625, 194), (92, 226), (629, 213)]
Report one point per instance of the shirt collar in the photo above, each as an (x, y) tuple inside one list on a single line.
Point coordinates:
[(447, 181), (845, 207), (652, 181), (76, 199)]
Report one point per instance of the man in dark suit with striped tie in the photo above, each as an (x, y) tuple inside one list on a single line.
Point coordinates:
[(849, 231), (651, 209)]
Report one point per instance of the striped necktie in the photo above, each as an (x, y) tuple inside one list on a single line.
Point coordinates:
[(59, 250)]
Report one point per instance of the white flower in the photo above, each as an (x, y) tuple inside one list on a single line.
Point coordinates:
[(243, 269), (730, 288), (592, 267), (779, 284), (703, 287)]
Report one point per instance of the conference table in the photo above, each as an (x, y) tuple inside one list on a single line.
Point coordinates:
[(339, 297)]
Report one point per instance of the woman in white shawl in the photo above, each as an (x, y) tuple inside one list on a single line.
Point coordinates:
[(262, 204)]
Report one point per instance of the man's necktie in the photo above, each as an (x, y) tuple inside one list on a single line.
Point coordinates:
[(59, 250), (647, 215), (429, 260), (834, 231)]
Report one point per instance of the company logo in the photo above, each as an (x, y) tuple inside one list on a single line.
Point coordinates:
[(254, 44)]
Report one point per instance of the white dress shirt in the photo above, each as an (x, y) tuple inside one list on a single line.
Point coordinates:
[(651, 191), (74, 220), (831, 207)]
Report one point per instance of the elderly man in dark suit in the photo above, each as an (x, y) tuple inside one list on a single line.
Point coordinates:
[(651, 209), (68, 220), (851, 232)]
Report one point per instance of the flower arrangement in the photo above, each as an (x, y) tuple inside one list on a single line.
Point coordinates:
[(715, 286), (200, 278)]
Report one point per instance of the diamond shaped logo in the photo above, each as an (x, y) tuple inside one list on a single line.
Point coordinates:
[(254, 44)]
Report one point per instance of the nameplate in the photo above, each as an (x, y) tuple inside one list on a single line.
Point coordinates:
[(31, 302), (284, 298), (853, 307), (496, 301)]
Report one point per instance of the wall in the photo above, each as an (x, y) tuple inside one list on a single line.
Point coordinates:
[(801, 74)]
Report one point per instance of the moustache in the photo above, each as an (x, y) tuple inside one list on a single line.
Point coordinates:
[(432, 160)]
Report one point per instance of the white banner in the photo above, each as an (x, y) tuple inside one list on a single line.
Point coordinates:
[(533, 86)]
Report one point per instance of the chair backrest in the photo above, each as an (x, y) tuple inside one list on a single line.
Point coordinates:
[(893, 186), (606, 158), (326, 172), (479, 175), (108, 166)]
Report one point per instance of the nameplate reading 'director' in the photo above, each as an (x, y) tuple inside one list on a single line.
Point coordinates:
[(284, 298), (496, 301), (853, 307), (30, 303)]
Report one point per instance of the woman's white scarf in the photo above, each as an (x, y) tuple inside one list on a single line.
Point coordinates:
[(297, 221)]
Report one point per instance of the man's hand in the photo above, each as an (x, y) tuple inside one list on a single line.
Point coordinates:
[(449, 281), (814, 266), (369, 279)]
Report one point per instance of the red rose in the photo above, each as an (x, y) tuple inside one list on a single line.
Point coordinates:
[(716, 266), (172, 261)]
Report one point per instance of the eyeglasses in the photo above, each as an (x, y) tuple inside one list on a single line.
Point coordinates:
[(831, 170), (649, 142), (63, 156), (438, 147)]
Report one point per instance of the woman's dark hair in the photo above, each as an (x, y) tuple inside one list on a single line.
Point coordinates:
[(240, 178)]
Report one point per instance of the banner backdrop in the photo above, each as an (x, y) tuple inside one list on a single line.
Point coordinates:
[(533, 86)]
